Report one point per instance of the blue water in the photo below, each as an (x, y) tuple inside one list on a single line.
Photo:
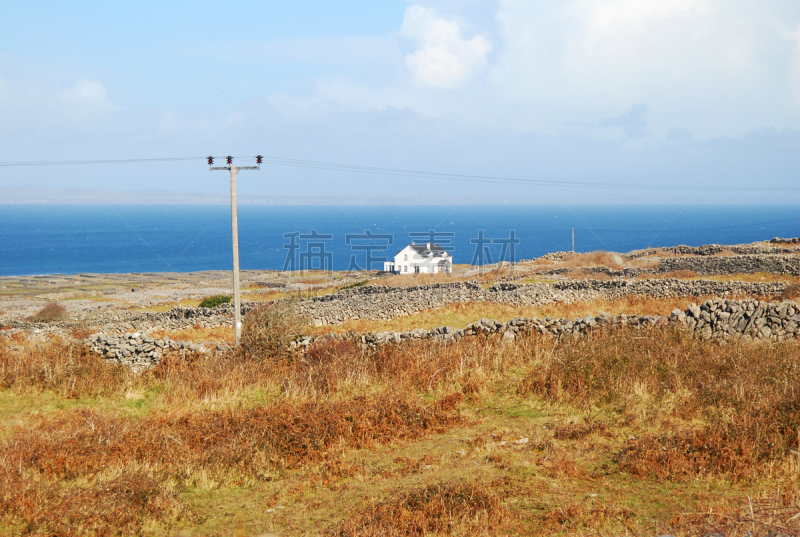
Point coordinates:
[(69, 239)]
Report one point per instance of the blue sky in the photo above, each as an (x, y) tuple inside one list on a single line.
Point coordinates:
[(644, 92)]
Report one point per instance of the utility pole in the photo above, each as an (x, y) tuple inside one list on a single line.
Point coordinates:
[(237, 304), (573, 240)]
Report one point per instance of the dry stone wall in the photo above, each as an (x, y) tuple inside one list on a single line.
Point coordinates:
[(139, 351), (383, 303), (118, 322), (717, 318), (737, 264), (711, 249), (622, 273)]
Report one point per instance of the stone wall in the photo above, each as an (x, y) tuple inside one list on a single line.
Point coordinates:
[(118, 322), (736, 264), (576, 291), (140, 351), (778, 240), (383, 303), (717, 318), (711, 249), (622, 273), (377, 302)]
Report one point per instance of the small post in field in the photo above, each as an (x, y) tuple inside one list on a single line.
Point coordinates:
[(237, 305)]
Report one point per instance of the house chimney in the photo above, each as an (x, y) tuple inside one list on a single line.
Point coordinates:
[(429, 246)]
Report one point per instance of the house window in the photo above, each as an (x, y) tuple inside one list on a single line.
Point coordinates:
[(405, 257), (416, 268), (405, 268)]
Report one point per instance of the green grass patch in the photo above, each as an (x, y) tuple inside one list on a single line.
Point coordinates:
[(214, 301)]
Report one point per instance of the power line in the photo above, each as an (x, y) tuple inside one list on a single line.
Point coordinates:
[(551, 231), (107, 161), (696, 229), (399, 172), (491, 179)]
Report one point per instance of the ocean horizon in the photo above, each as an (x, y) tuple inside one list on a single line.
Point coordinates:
[(71, 239)]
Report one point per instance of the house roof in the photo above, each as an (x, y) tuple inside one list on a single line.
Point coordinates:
[(422, 249)]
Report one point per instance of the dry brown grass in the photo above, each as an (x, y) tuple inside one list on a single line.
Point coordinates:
[(639, 432), (440, 509), (677, 274), (76, 450), (582, 274), (117, 505), (198, 334), (772, 517), (746, 395), (68, 370), (589, 259)]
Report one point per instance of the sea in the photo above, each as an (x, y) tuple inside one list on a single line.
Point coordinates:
[(72, 239)]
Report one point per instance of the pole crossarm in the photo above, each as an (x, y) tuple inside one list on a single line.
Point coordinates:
[(237, 167)]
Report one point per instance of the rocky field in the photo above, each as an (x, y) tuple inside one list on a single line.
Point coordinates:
[(645, 393)]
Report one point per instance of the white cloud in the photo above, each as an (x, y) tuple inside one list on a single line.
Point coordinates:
[(86, 91), (443, 58), (82, 100), (711, 67)]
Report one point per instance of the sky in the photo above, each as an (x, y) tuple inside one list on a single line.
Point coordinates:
[(570, 98)]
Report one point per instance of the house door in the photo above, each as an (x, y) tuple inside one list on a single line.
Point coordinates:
[(416, 269)]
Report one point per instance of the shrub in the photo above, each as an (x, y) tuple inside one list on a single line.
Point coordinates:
[(214, 301), (50, 313), (792, 292), (269, 330)]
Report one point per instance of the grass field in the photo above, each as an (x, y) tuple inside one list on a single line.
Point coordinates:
[(623, 433)]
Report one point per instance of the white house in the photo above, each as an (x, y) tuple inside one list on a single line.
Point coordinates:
[(420, 258)]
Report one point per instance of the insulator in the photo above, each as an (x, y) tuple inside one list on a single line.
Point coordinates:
[(230, 160), (210, 161), (259, 159)]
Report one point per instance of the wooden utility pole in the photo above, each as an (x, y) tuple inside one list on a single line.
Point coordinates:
[(237, 304), (573, 240)]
